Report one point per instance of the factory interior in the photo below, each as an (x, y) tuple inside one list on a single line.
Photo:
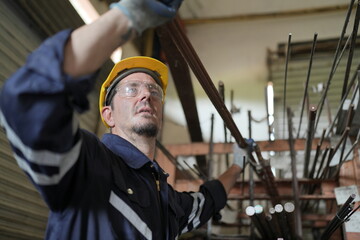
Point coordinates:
[(283, 73)]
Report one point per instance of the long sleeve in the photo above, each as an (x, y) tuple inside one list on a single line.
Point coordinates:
[(195, 208), (37, 108)]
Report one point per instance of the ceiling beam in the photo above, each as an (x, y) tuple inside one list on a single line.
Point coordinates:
[(267, 15)]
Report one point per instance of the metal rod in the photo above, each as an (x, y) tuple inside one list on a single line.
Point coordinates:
[(279, 211), (251, 179), (259, 213), (285, 80), (183, 44), (267, 178), (343, 100), (289, 209), (327, 149), (332, 71), (317, 154), (193, 170), (353, 146), (172, 158), (250, 211), (305, 96), (221, 89), (204, 176), (211, 148), (343, 137), (295, 184), (350, 117), (327, 85), (351, 49), (339, 218), (309, 140), (326, 168)]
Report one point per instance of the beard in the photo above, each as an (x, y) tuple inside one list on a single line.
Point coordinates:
[(148, 130)]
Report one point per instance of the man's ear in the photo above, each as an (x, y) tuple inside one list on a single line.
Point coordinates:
[(106, 113)]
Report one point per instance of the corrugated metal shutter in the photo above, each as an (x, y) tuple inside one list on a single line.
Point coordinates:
[(23, 26), (23, 214), (296, 79)]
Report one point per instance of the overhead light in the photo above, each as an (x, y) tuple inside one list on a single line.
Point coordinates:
[(89, 14), (270, 109)]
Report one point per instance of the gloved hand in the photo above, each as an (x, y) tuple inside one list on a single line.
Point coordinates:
[(144, 14), (242, 155)]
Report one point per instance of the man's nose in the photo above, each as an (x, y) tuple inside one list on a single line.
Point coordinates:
[(144, 92)]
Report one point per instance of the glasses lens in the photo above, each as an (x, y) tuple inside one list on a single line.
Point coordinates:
[(132, 89)]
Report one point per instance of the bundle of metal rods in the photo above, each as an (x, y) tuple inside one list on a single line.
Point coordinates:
[(277, 223), (341, 216)]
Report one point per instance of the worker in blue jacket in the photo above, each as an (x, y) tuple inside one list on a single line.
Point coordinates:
[(110, 188)]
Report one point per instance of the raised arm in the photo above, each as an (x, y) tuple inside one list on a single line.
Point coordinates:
[(90, 46)]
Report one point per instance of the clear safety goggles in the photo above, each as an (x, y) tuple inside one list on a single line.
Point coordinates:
[(134, 88)]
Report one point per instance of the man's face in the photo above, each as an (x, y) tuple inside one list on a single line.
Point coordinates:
[(140, 114)]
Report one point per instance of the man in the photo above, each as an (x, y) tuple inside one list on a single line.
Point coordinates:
[(113, 188)]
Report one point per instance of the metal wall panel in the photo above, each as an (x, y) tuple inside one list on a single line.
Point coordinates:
[(23, 26), (23, 214)]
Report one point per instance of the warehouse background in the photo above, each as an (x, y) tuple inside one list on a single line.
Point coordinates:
[(242, 43)]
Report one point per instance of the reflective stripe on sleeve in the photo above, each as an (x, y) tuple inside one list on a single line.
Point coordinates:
[(64, 161), (194, 217), (130, 215)]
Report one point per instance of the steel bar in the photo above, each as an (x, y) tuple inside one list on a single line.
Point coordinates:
[(172, 158), (259, 213), (183, 44), (344, 119), (279, 211), (309, 140), (352, 212), (211, 149), (188, 52), (326, 168), (193, 170), (202, 174), (275, 222), (342, 160), (233, 108), (295, 184), (343, 138), (350, 118), (339, 218), (351, 49), (327, 149), (268, 178), (332, 71), (324, 95), (343, 100), (289, 209), (353, 146), (251, 179), (285, 80), (221, 88), (317, 154), (250, 211), (305, 95)]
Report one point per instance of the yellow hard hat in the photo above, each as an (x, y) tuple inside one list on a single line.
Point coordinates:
[(153, 67)]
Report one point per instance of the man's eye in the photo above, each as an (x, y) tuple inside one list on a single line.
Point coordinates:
[(155, 93), (131, 89)]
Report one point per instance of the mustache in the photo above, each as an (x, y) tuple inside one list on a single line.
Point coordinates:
[(143, 104)]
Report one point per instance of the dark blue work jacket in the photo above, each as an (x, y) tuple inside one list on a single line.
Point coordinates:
[(95, 189)]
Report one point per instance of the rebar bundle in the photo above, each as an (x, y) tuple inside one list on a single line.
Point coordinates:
[(341, 216)]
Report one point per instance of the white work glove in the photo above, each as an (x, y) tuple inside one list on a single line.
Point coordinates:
[(242, 155), (144, 14)]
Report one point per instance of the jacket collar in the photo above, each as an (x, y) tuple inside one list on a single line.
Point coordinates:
[(132, 156)]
